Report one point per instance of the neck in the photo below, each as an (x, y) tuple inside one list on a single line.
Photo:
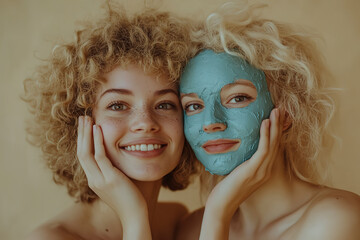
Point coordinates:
[(279, 196), (150, 191)]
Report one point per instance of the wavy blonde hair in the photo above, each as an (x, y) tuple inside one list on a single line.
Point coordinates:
[(295, 74), (64, 87)]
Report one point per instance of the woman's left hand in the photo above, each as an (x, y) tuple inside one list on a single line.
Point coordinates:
[(245, 179)]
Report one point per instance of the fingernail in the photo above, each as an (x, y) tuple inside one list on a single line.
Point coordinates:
[(94, 128), (266, 122), (87, 120), (277, 112)]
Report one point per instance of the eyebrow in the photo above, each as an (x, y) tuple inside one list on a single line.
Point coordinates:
[(244, 82), (166, 91), (128, 92), (117, 90), (188, 95)]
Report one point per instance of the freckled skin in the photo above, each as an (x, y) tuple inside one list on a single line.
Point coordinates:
[(141, 120)]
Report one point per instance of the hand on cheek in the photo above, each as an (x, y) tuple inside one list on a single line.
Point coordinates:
[(108, 182), (245, 179)]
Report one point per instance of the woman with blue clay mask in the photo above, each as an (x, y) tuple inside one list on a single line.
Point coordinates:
[(224, 109), (256, 110)]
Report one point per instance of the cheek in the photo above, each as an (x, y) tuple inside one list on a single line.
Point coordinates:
[(111, 128), (174, 127)]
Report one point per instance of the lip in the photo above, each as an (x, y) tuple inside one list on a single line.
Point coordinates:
[(144, 154), (221, 146)]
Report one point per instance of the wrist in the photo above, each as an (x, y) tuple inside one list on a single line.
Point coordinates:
[(220, 210), (215, 227), (136, 226)]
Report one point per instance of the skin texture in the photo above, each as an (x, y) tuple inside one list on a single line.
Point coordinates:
[(145, 110), (229, 95), (260, 200)]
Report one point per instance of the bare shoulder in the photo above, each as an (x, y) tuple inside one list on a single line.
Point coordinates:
[(51, 231), (189, 227), (332, 214), (62, 226)]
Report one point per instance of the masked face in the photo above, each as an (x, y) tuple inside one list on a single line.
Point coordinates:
[(225, 100)]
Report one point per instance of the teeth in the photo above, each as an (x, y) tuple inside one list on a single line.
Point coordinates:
[(143, 147)]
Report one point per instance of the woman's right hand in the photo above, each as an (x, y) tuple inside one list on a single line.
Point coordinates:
[(245, 179), (110, 184)]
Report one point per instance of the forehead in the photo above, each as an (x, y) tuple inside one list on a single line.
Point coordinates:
[(214, 70), (134, 77)]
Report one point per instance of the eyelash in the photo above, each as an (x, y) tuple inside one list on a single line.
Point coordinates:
[(117, 103), (170, 106), (193, 104), (241, 95)]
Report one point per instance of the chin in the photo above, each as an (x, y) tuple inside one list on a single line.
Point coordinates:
[(147, 174), (145, 178)]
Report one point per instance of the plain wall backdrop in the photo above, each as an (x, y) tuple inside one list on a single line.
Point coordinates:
[(29, 30)]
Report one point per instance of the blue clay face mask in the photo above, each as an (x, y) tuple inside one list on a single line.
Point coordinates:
[(225, 100)]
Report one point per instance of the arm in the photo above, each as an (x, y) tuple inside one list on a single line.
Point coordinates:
[(110, 184), (226, 197)]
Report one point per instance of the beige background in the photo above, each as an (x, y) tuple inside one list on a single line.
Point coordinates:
[(29, 29)]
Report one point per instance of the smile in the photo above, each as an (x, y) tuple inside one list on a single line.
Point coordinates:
[(147, 148), (143, 147), (221, 146)]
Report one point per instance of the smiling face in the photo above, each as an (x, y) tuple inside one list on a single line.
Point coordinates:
[(141, 120), (225, 100)]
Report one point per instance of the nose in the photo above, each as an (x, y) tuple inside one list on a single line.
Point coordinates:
[(214, 127), (144, 122), (214, 117)]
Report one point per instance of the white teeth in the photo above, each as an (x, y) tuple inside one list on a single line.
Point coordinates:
[(143, 147)]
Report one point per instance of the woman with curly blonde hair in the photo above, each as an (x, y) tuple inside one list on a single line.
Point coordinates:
[(108, 120), (256, 109)]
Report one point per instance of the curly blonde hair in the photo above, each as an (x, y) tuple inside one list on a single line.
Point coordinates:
[(64, 87), (295, 74)]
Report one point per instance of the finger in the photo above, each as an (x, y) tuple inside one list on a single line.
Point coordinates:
[(263, 146), (102, 160), (80, 134), (88, 136), (85, 153), (275, 130), (275, 133)]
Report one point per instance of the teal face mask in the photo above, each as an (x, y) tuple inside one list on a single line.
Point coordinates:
[(224, 129)]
